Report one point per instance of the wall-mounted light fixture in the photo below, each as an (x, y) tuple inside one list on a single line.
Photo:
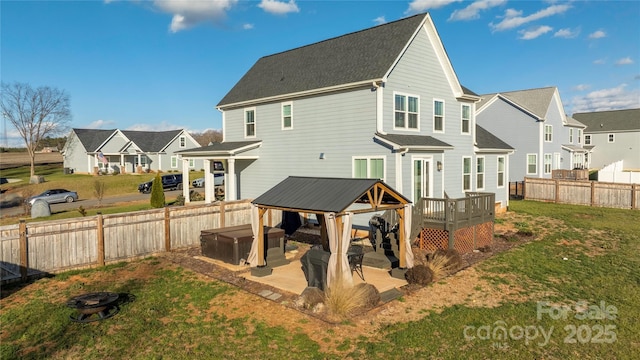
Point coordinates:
[(439, 165), (321, 156)]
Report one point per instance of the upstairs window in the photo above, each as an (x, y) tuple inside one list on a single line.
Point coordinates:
[(587, 139), (406, 110), (548, 133), (579, 136), (287, 116), (250, 123), (183, 141), (466, 119), (611, 138), (438, 116), (570, 136)]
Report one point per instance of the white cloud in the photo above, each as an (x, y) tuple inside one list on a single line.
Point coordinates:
[(581, 87), (418, 6), (473, 10), (534, 33), (513, 18), (607, 99), (247, 26), (600, 61), (101, 124), (187, 13), (380, 20), (162, 126), (567, 33), (597, 35), (624, 61), (279, 7)]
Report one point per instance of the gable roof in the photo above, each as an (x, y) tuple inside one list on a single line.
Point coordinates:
[(151, 141), (326, 194), (91, 139), (486, 140), (534, 101), (614, 120), (355, 59)]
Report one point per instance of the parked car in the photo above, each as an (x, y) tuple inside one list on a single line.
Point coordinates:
[(55, 196), (169, 181), (218, 179)]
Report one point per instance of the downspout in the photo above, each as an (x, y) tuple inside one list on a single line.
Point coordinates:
[(375, 86), (399, 169)]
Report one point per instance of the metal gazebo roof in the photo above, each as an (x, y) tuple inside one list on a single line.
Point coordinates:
[(319, 195)]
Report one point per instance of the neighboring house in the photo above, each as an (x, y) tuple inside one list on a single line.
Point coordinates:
[(534, 123), (126, 151), (612, 136), (380, 103)]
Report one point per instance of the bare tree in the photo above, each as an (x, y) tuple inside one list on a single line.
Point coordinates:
[(207, 137), (35, 113)]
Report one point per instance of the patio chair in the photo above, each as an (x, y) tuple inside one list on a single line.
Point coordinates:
[(355, 254)]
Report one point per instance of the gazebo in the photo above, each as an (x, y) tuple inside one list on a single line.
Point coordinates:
[(336, 200)]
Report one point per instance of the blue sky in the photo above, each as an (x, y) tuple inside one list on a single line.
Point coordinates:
[(160, 65)]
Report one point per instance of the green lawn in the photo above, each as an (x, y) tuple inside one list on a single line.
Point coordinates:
[(177, 314)]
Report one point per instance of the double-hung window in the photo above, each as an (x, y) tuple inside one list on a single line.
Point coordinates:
[(406, 111), (579, 136), (466, 173), (250, 122), (547, 163), (368, 167), (287, 116), (174, 162), (587, 139), (183, 141), (501, 167), (532, 164), (438, 115), (570, 136), (466, 119), (548, 133), (479, 173)]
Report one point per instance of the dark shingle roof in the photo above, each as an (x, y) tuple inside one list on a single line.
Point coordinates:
[(220, 148), (321, 194), (91, 139), (360, 56), (424, 141), (614, 120), (151, 141), (486, 140)]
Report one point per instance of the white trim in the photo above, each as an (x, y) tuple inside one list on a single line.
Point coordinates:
[(433, 115), (282, 105), (527, 164), (470, 173), (255, 122), (484, 173), (557, 159), (406, 112), (462, 106), (504, 171), (182, 142), (423, 159), (369, 158)]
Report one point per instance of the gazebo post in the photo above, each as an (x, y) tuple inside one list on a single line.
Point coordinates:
[(261, 269), (400, 271)]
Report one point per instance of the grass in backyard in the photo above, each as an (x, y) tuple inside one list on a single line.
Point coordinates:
[(602, 252), (171, 315)]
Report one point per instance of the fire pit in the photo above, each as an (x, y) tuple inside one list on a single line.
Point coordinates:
[(101, 304)]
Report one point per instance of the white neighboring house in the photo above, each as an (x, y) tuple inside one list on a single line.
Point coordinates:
[(127, 151), (612, 136)]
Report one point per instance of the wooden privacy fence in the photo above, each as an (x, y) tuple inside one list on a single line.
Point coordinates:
[(592, 193), (31, 249)]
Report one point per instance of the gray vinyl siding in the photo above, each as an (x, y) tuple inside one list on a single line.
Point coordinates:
[(560, 136), (626, 147), (519, 130), (75, 155)]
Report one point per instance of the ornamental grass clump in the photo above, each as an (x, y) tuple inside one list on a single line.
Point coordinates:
[(342, 301), (438, 264)]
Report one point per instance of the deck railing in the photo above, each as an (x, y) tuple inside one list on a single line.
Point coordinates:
[(452, 214)]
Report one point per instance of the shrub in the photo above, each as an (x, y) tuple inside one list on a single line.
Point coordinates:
[(419, 274), (157, 192)]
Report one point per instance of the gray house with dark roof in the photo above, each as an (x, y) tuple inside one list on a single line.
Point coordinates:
[(382, 103), (127, 151), (612, 136), (534, 123)]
